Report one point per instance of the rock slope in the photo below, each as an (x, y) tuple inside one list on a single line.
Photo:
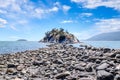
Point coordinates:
[(61, 62), (59, 36), (111, 36)]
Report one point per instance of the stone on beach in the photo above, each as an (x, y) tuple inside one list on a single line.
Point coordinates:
[(61, 61), (62, 75), (104, 75)]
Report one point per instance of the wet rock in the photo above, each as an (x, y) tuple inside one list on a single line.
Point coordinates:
[(62, 75), (104, 75)]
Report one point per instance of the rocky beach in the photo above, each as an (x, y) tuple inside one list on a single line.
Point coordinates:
[(62, 62)]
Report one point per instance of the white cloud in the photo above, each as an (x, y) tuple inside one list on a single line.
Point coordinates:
[(12, 5), (96, 3), (57, 4), (67, 21), (20, 12), (14, 28), (54, 9), (23, 7), (40, 13), (86, 14), (100, 26), (3, 12), (2, 22), (83, 35), (22, 22), (66, 8), (108, 25)]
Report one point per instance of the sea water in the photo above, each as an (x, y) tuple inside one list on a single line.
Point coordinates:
[(18, 46), (106, 44), (100, 44)]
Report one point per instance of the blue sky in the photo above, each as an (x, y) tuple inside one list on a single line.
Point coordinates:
[(30, 19)]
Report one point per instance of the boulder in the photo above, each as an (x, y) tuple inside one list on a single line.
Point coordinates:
[(20, 67), (11, 65), (117, 56), (62, 75), (103, 66), (117, 77), (104, 75)]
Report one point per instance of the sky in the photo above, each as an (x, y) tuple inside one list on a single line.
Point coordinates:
[(30, 19)]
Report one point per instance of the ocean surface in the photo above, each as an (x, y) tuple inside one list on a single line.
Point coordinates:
[(18, 46), (106, 44)]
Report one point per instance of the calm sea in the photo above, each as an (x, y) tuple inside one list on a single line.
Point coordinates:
[(18, 46), (108, 44)]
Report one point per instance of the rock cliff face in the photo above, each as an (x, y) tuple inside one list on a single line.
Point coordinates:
[(59, 36)]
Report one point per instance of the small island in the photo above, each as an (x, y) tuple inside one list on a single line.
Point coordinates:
[(21, 40), (59, 36)]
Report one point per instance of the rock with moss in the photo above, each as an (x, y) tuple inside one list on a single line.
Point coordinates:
[(59, 36)]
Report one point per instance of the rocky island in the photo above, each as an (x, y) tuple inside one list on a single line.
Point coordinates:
[(59, 36)]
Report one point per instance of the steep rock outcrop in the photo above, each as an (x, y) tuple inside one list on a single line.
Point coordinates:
[(59, 36)]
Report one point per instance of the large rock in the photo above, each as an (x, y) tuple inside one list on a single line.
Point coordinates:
[(59, 36), (104, 75), (62, 75), (103, 66), (117, 77)]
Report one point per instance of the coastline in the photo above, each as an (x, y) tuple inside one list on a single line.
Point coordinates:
[(60, 61)]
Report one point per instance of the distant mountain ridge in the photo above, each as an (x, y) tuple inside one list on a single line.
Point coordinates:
[(111, 36)]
